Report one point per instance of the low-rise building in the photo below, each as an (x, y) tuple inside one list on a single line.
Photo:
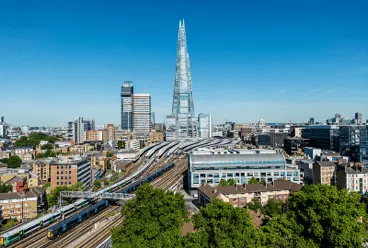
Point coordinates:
[(66, 172), (25, 205), (132, 145), (295, 145), (241, 195), (353, 178), (156, 137), (312, 153), (210, 166), (324, 172)]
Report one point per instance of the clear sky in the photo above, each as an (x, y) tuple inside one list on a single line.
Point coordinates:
[(279, 60)]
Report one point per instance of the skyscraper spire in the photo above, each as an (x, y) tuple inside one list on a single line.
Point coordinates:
[(183, 107)]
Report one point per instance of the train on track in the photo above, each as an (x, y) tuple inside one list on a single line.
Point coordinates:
[(67, 224), (22, 231)]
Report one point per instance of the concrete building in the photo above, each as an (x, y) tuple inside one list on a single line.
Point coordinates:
[(94, 135), (353, 178), (77, 130), (322, 136), (71, 170), (108, 133), (26, 205), (295, 145), (349, 136), (312, 152), (155, 137), (277, 139), (324, 172), (210, 166), (306, 168), (133, 144), (42, 169), (135, 110), (204, 126), (359, 118), (241, 195), (142, 113)]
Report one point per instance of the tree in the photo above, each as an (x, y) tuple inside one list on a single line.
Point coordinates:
[(5, 188), (9, 224), (47, 154), (54, 195), (328, 216), (154, 218), (47, 147), (121, 144), (223, 182), (222, 225), (14, 162), (96, 185), (262, 181), (255, 204), (232, 182), (273, 208), (253, 180), (109, 154)]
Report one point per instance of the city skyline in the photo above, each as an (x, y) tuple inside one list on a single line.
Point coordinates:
[(303, 65)]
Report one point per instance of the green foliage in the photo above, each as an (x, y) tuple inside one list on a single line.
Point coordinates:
[(222, 225), (96, 185), (106, 182), (6, 145), (273, 208), (91, 149), (5, 188), (47, 185), (223, 182), (47, 154), (262, 181), (12, 161), (232, 182), (154, 218), (53, 197), (328, 216), (109, 154), (121, 144), (253, 181), (108, 165), (9, 224), (255, 204), (34, 139), (47, 147)]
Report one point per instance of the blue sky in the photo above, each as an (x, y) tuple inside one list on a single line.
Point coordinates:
[(279, 60)]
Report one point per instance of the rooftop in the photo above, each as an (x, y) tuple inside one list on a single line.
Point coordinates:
[(34, 192)]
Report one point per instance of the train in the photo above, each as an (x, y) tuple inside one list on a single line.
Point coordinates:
[(67, 224), (22, 231)]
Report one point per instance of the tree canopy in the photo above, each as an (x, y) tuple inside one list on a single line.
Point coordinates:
[(121, 144), (53, 197), (5, 188), (34, 139), (47, 147), (12, 161), (222, 225), (253, 180), (154, 218)]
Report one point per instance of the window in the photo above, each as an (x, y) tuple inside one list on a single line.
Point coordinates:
[(57, 177), (57, 183), (57, 172), (12, 211), (70, 172)]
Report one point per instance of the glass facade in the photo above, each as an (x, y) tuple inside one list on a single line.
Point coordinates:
[(127, 106), (183, 106)]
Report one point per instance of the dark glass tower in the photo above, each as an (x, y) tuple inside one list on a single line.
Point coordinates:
[(127, 106)]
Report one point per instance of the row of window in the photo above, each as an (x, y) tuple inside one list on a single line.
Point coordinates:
[(248, 174), (62, 172), (18, 205), (18, 211), (62, 183), (64, 178), (64, 167)]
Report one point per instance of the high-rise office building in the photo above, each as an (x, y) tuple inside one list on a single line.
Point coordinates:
[(363, 147), (142, 113), (3, 132), (153, 119), (127, 106), (204, 126), (77, 130), (135, 110), (183, 106), (359, 118)]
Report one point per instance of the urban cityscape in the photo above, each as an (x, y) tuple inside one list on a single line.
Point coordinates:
[(180, 175)]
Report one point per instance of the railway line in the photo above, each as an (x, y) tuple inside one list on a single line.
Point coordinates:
[(154, 159)]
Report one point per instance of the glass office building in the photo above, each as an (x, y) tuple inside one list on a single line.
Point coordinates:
[(127, 106), (210, 166)]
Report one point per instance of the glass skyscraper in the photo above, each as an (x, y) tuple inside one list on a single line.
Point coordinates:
[(184, 125), (127, 106)]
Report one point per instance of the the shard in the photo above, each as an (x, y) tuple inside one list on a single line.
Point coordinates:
[(181, 124)]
